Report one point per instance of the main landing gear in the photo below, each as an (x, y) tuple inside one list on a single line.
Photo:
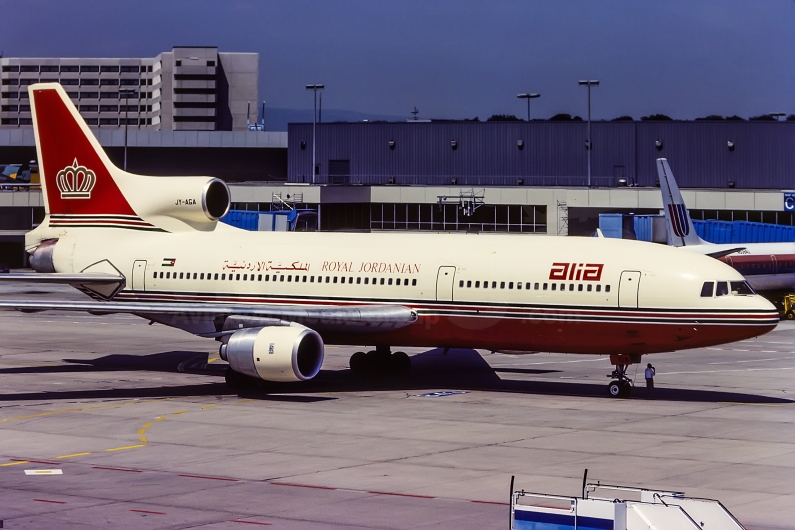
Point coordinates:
[(621, 385), (380, 362)]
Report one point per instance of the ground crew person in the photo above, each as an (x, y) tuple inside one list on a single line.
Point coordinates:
[(650, 372)]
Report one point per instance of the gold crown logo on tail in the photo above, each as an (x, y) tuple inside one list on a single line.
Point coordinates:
[(75, 181)]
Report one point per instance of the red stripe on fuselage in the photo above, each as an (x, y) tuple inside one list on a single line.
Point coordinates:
[(560, 330), (462, 307)]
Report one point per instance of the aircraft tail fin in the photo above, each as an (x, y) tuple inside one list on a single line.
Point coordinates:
[(79, 182), (681, 231), (82, 188)]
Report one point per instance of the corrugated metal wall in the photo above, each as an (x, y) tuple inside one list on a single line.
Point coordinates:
[(554, 153)]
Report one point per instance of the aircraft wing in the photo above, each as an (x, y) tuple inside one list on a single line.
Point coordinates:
[(102, 285), (61, 277), (224, 319)]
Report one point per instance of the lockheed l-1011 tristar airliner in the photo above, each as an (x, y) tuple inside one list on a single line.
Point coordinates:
[(153, 247)]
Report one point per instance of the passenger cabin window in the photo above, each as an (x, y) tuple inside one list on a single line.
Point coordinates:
[(707, 289), (722, 289)]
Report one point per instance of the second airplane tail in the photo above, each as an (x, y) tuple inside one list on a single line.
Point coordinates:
[(681, 231)]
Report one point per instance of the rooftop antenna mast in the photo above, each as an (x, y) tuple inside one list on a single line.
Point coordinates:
[(415, 112)]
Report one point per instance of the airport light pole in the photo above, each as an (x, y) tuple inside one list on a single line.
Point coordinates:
[(528, 97), (126, 93), (588, 144), (314, 88)]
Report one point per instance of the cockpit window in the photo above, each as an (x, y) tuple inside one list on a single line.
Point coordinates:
[(741, 288), (707, 289), (722, 289)]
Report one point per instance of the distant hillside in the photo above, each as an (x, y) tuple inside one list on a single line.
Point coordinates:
[(277, 119)]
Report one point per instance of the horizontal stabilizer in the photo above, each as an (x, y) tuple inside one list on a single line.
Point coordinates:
[(723, 253)]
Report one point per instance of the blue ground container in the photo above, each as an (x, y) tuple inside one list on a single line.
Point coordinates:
[(611, 224), (743, 232), (242, 219)]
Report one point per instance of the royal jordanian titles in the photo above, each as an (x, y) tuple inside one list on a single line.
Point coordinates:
[(153, 247)]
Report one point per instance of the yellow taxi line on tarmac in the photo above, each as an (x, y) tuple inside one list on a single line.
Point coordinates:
[(72, 455), (124, 448), (80, 409), (141, 432)]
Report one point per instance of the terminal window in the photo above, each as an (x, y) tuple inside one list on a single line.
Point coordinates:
[(450, 217)]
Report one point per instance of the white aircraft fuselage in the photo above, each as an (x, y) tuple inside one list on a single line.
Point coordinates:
[(153, 247)]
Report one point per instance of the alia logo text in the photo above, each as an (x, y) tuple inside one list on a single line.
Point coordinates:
[(589, 272)]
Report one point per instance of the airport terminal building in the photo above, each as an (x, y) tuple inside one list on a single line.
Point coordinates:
[(186, 89), (189, 117)]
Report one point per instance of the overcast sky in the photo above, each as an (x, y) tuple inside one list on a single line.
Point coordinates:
[(455, 59)]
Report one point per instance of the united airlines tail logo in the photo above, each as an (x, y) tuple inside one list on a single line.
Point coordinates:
[(678, 214), (76, 182)]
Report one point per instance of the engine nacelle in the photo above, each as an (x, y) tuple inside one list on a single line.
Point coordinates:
[(275, 353), (192, 199), (41, 260)]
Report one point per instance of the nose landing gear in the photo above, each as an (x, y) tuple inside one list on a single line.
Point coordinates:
[(621, 385)]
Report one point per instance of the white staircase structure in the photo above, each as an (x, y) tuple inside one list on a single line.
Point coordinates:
[(625, 509)]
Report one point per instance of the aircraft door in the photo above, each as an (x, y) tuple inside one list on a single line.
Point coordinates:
[(444, 284), (139, 275), (628, 289)]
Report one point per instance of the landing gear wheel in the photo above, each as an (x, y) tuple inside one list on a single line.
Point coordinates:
[(401, 363), (620, 386), (358, 363), (790, 315), (380, 362)]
